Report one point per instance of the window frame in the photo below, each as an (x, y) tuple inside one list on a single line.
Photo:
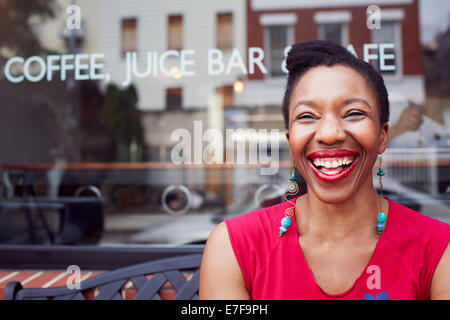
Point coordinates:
[(224, 48), (394, 16), (124, 50), (169, 33), (269, 20), (174, 108), (341, 17)]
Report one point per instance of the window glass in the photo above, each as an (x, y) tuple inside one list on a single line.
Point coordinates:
[(332, 32), (225, 31), (387, 34), (129, 35), (149, 122), (277, 43), (174, 98), (227, 93), (175, 34)]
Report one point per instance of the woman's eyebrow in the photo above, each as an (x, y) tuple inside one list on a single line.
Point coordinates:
[(353, 100), (304, 102)]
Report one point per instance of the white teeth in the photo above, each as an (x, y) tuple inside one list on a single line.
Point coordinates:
[(332, 163), (332, 172)]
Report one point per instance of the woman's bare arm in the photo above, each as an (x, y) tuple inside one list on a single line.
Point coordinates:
[(440, 284), (220, 274)]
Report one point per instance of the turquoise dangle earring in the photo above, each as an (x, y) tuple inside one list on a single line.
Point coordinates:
[(381, 218), (289, 212)]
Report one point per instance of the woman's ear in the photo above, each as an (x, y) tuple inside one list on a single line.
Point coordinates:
[(383, 138), (287, 137)]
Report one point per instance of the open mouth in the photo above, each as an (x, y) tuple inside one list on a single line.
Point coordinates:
[(332, 166)]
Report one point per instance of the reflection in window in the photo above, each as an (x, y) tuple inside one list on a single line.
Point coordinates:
[(175, 33), (332, 32), (227, 93), (174, 98), (129, 35), (386, 34), (153, 153), (225, 31), (278, 40)]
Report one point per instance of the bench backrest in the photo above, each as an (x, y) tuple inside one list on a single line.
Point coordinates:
[(144, 281)]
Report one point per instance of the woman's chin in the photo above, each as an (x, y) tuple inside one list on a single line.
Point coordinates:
[(332, 195)]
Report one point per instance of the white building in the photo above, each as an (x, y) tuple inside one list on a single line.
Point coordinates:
[(159, 26)]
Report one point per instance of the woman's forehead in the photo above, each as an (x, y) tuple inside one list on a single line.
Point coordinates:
[(328, 84)]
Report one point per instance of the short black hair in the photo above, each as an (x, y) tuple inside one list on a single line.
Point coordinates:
[(306, 55)]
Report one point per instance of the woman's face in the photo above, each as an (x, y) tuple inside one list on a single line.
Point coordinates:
[(334, 131)]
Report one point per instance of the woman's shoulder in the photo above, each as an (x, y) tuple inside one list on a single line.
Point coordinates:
[(415, 234), (259, 219), (419, 240), (258, 227), (410, 221)]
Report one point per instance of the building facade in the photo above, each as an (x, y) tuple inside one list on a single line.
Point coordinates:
[(275, 25)]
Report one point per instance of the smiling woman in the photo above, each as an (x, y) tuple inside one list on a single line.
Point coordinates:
[(336, 112)]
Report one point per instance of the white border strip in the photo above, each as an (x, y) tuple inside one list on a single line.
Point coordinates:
[(303, 4), (34, 276), (87, 275), (9, 276), (392, 14), (58, 277), (343, 16), (274, 19)]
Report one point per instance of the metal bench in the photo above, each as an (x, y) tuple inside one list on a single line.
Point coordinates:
[(146, 280)]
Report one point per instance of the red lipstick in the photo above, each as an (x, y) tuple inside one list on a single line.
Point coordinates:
[(332, 153), (330, 178)]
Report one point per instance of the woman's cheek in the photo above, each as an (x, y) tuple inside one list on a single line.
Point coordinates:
[(297, 144)]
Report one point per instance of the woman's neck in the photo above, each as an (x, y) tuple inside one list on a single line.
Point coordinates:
[(350, 219)]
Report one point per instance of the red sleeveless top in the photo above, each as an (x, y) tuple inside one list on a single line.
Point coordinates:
[(401, 266)]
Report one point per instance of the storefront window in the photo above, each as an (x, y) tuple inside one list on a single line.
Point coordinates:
[(148, 122)]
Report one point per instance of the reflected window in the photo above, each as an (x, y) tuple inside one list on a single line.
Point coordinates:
[(175, 32), (387, 34), (333, 26), (153, 153), (174, 98), (332, 32), (277, 37), (227, 93), (129, 35), (224, 31)]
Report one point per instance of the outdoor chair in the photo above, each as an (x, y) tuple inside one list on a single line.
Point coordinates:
[(171, 278)]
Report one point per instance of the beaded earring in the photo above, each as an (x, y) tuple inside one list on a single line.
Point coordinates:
[(381, 218), (289, 212)]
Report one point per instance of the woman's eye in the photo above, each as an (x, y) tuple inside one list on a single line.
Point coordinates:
[(305, 116), (355, 113)]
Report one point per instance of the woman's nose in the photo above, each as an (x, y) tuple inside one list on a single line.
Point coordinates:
[(330, 131)]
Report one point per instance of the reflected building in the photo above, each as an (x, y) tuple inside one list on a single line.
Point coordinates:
[(171, 102), (276, 25)]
